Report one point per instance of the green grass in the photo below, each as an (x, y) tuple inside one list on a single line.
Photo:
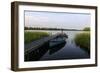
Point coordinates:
[(83, 40), (32, 36)]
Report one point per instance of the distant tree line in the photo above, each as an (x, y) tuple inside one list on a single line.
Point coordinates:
[(45, 28)]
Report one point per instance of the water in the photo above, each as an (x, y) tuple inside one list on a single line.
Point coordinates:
[(67, 50)]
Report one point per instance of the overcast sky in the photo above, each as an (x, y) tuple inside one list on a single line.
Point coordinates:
[(57, 20)]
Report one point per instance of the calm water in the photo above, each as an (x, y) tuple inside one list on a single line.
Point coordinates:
[(67, 50)]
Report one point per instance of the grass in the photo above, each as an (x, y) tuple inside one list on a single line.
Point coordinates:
[(83, 40), (32, 36)]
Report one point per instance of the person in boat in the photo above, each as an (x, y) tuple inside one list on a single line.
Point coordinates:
[(64, 35)]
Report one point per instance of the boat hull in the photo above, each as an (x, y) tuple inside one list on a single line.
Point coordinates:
[(56, 41)]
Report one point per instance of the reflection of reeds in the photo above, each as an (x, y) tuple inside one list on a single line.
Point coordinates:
[(83, 40), (32, 36)]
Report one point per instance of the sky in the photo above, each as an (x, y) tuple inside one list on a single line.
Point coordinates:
[(66, 20)]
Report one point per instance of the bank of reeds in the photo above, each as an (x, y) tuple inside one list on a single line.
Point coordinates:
[(83, 40), (32, 36)]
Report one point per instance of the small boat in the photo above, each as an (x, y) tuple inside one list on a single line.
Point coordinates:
[(57, 41)]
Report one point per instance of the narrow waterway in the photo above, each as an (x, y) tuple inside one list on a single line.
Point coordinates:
[(67, 50)]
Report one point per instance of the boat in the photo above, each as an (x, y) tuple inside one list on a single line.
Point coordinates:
[(58, 40)]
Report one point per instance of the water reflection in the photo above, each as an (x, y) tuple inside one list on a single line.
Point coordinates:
[(39, 52), (56, 48)]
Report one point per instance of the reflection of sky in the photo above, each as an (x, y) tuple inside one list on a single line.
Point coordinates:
[(57, 20)]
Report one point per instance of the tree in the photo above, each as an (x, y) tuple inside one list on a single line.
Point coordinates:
[(86, 29)]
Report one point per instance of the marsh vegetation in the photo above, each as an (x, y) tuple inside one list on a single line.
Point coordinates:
[(32, 36), (83, 40)]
